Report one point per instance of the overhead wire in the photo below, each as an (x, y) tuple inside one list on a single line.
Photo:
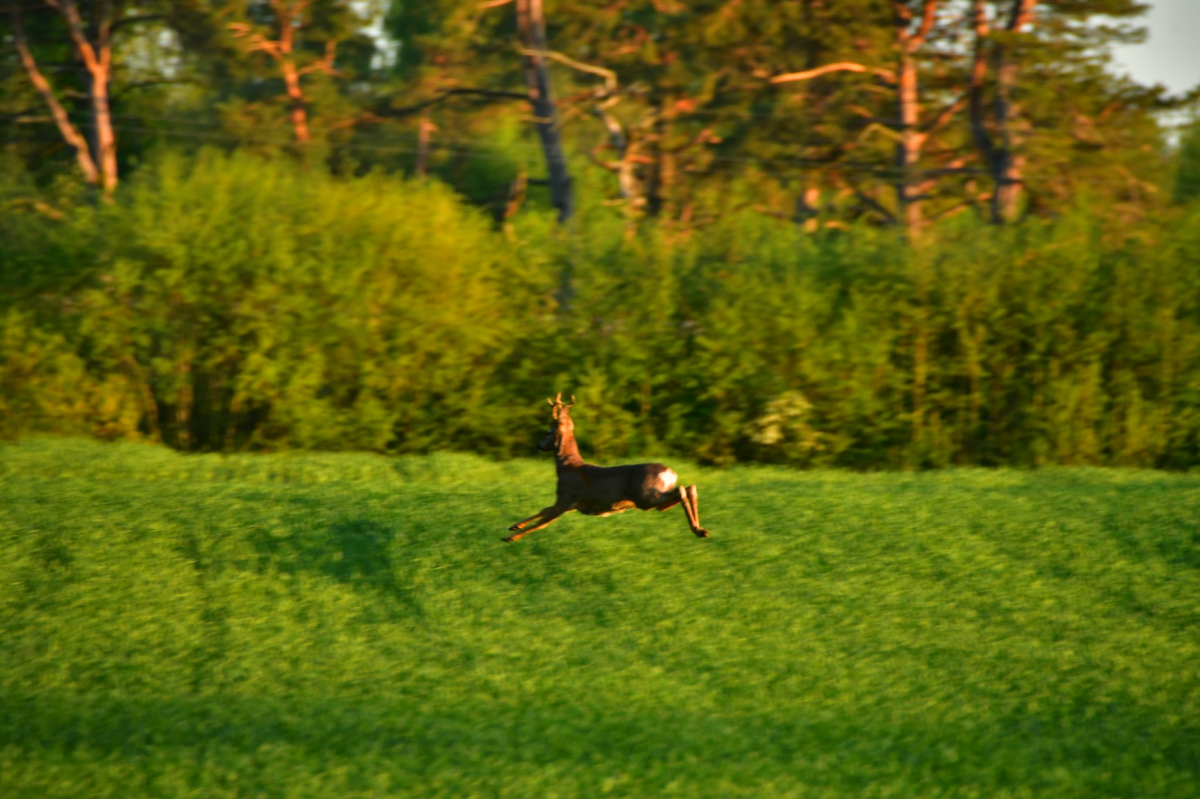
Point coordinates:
[(726, 163), (218, 131), (214, 136)]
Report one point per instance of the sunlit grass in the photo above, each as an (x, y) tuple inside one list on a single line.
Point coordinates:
[(350, 625)]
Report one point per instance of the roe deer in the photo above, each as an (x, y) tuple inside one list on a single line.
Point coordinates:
[(600, 490)]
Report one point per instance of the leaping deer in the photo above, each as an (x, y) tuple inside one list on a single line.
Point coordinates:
[(601, 490)]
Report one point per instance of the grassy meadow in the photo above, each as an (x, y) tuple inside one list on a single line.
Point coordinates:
[(351, 625)]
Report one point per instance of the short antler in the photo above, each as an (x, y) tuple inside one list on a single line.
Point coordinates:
[(557, 403)]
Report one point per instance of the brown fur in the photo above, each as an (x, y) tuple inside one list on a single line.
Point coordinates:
[(600, 490)]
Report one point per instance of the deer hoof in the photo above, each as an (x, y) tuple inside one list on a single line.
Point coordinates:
[(701, 533)]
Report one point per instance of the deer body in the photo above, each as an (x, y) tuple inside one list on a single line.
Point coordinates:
[(603, 490)]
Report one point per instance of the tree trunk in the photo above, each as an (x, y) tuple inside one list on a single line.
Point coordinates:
[(424, 129), (289, 19), (106, 141), (1010, 166), (297, 111), (531, 25), (664, 202), (999, 150), (95, 50), (69, 132), (908, 106), (1007, 171), (908, 148), (808, 205)]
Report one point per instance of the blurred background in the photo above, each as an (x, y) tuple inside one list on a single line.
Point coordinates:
[(869, 234)]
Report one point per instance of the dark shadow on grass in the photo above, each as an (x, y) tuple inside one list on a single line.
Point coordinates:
[(355, 552), (1109, 748)]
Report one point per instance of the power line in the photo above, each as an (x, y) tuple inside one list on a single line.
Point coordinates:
[(210, 131), (218, 131)]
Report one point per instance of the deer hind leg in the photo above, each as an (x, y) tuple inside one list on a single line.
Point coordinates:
[(672, 499), (691, 503), (679, 496), (546, 515)]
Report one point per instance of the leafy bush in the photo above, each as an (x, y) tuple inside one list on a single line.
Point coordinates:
[(227, 302), (261, 304)]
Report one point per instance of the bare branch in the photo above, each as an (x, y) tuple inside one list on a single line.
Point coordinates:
[(128, 87), (70, 13), (610, 77), (358, 120), (873, 204), (840, 66), (885, 129), (23, 116), (946, 113), (928, 16), (965, 205), (134, 20), (1022, 11), (104, 34), (45, 209), (983, 139), (446, 95), (326, 63), (955, 167), (258, 42)]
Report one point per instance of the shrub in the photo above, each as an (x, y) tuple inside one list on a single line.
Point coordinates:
[(228, 302)]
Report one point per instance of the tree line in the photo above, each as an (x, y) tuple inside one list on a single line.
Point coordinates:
[(229, 302), (894, 112)]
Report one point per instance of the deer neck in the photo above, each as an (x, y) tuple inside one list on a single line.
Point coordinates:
[(566, 456)]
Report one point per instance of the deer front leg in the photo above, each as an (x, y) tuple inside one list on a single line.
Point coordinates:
[(691, 503), (537, 515), (546, 515)]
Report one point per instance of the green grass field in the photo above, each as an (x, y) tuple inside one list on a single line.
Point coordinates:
[(351, 625)]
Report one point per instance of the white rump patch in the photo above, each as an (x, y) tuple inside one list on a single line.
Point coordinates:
[(667, 480)]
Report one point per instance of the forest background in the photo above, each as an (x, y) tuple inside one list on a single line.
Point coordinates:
[(864, 233)]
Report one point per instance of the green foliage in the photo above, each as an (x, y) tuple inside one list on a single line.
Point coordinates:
[(263, 304), (1187, 170), (227, 302), (350, 625)]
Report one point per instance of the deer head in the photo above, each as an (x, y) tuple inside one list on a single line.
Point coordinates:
[(560, 426)]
